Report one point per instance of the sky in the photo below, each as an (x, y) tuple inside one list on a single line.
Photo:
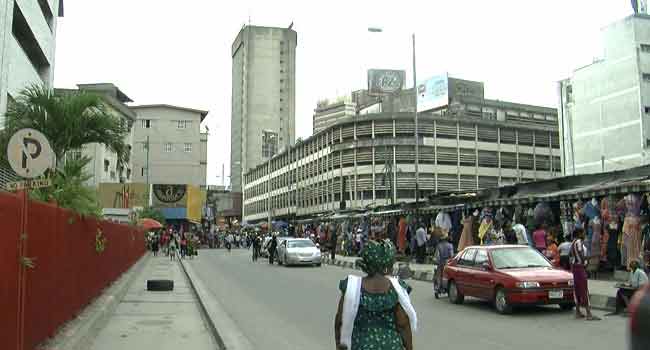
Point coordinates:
[(179, 52)]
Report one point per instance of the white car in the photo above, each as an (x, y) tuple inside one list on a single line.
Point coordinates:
[(298, 251)]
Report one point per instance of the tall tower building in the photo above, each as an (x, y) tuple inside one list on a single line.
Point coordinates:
[(263, 97)]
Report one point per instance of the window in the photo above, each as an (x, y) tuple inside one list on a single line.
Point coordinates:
[(146, 123), (467, 259), (128, 174), (645, 47), (646, 77), (143, 172), (269, 144), (183, 124), (281, 62), (647, 143), (27, 41), (47, 12), (481, 257), (187, 147), (168, 147), (113, 175), (647, 109)]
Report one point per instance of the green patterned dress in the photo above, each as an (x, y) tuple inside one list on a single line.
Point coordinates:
[(375, 327)]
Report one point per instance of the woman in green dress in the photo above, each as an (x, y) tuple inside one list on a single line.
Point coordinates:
[(375, 312)]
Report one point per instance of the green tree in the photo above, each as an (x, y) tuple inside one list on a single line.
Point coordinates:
[(69, 119), (152, 213), (69, 189)]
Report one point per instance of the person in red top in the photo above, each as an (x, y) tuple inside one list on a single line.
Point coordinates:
[(539, 238), (552, 252)]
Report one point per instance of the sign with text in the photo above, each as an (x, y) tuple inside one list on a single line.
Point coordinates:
[(28, 184), (382, 82), (433, 93)]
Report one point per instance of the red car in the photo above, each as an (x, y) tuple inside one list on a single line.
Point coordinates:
[(508, 275)]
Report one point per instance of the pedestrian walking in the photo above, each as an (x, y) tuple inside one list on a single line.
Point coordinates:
[(172, 247), (229, 241), (273, 246), (421, 244), (579, 259), (332, 244), (375, 311), (256, 243)]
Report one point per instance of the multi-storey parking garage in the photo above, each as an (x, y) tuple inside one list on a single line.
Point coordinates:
[(368, 160)]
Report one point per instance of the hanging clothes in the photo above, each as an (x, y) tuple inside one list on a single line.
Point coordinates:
[(443, 220), (401, 236), (466, 238), (605, 219), (632, 228)]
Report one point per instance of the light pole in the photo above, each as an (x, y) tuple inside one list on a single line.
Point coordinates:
[(415, 119)]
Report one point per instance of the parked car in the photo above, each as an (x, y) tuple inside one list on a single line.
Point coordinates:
[(508, 275), (298, 251)]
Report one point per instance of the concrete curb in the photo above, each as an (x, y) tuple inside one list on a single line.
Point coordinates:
[(223, 328), (80, 332), (599, 302)]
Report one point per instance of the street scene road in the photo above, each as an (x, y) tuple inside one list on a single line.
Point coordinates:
[(279, 307)]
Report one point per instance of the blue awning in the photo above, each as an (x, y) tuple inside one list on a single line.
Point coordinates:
[(174, 213)]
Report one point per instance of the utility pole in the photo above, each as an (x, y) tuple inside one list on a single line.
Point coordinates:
[(417, 147), (148, 185)]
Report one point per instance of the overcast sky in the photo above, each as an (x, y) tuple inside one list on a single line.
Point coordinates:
[(178, 52)]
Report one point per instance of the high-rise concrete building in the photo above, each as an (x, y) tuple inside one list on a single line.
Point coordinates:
[(27, 42), (604, 113), (263, 97)]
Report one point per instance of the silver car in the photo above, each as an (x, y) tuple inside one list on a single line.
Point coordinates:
[(298, 251)]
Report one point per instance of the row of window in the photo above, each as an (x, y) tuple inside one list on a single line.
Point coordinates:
[(180, 124), (332, 192), (443, 130), (168, 147)]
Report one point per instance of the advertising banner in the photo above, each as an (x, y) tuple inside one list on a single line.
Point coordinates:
[(113, 195), (169, 196), (433, 93), (382, 82)]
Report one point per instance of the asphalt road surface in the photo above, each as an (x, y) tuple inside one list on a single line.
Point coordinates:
[(279, 308)]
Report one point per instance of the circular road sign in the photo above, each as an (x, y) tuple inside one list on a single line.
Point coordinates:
[(29, 153)]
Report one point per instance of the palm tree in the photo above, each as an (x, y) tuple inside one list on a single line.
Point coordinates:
[(68, 119)]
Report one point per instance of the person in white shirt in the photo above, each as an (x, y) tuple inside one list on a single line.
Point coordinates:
[(421, 240), (637, 279)]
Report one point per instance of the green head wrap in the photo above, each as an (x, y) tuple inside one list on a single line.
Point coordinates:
[(377, 257)]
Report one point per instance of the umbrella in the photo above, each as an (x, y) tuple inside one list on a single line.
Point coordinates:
[(150, 224)]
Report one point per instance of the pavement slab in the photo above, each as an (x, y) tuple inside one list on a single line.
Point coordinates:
[(146, 320)]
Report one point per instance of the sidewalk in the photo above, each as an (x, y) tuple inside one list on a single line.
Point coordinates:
[(602, 293), (156, 320)]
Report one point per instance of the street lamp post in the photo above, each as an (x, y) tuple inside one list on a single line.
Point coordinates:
[(415, 119)]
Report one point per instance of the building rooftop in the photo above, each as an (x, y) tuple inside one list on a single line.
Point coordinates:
[(199, 111), (106, 88)]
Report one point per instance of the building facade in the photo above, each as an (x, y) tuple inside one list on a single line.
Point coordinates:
[(368, 160), (604, 113), (263, 97), (104, 167), (27, 44), (168, 146)]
